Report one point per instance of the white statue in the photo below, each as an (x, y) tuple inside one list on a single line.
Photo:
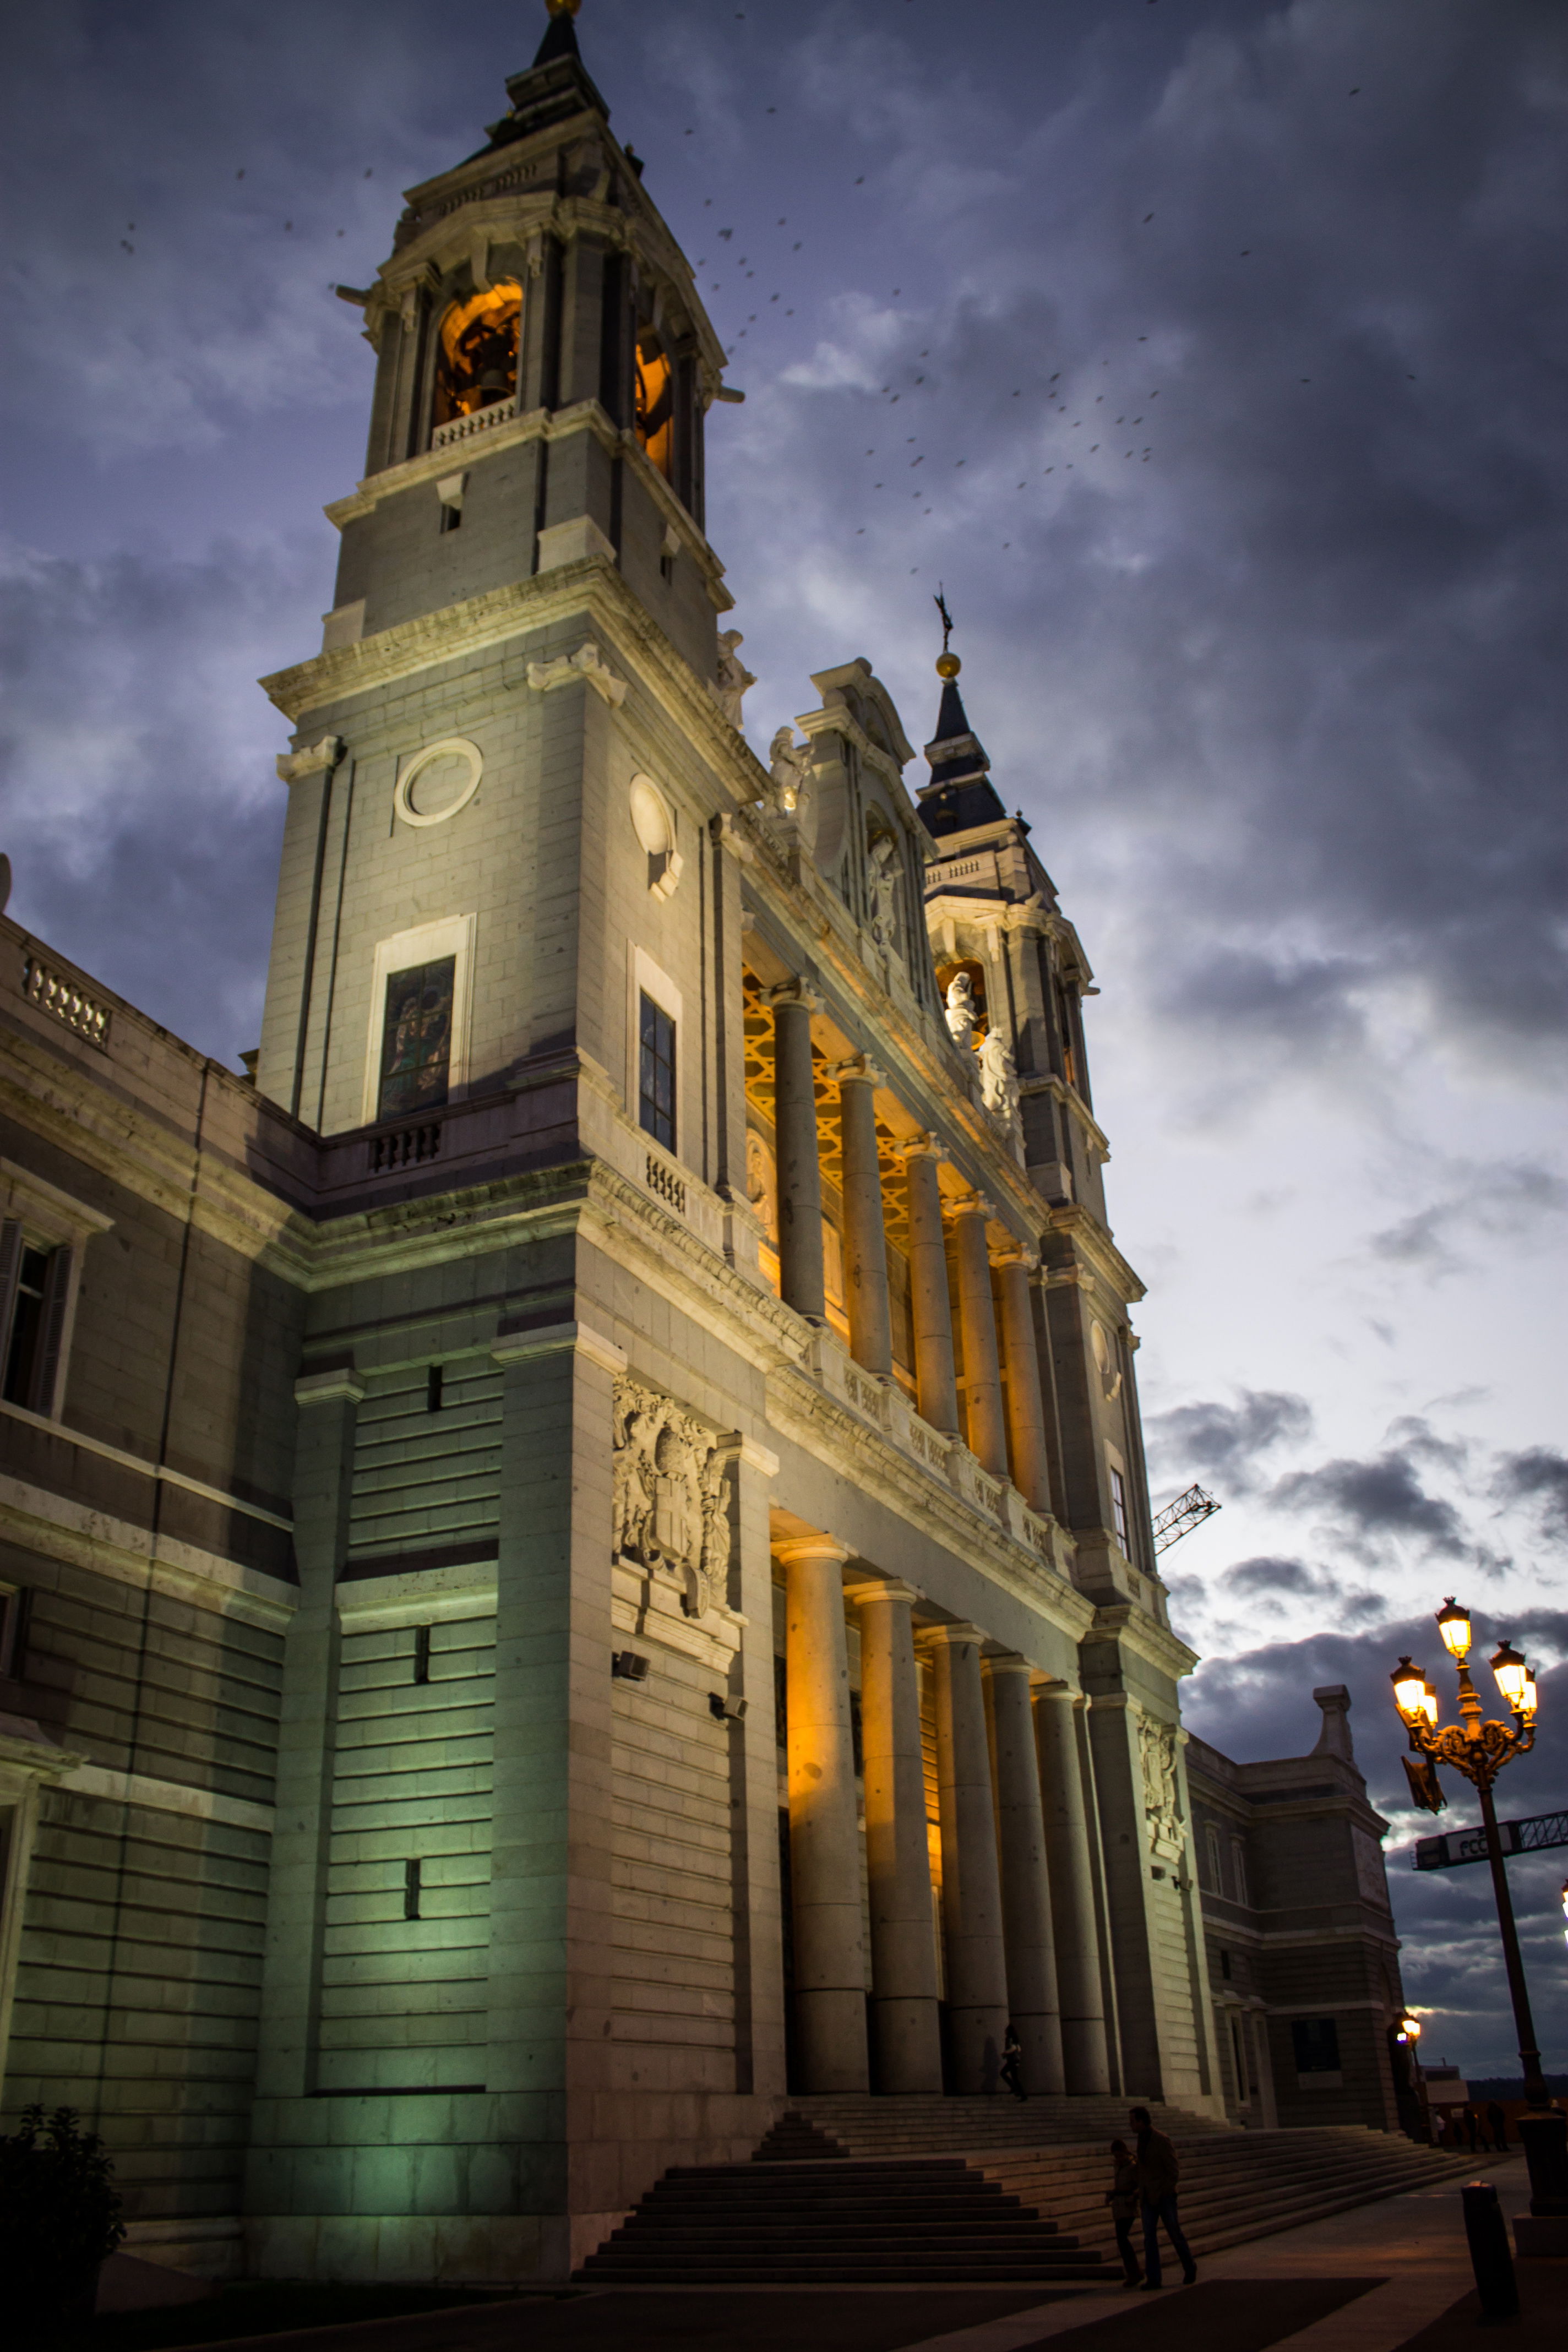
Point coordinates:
[(729, 686), (882, 889), (789, 764), (962, 1012), (999, 1087)]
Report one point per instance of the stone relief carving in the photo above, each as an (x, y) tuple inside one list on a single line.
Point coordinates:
[(1162, 1800), (761, 1184), (729, 687), (789, 764), (1105, 1361), (882, 891), (999, 1085), (962, 1012), (670, 1502), (585, 664)]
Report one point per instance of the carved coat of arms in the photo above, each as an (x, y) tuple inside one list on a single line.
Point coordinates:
[(1162, 1798), (671, 1509)]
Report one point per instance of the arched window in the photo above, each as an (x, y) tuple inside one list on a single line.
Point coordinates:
[(476, 357), (655, 403)]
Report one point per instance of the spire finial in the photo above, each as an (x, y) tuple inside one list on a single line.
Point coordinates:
[(948, 665), (563, 7)]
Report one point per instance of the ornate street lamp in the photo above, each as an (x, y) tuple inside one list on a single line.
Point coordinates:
[(1480, 1748)]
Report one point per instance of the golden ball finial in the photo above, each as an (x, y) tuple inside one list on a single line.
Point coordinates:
[(563, 7), (948, 665)]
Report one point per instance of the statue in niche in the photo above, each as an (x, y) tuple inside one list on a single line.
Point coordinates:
[(729, 687), (1161, 1802), (999, 1087), (963, 1011), (761, 1184), (669, 1501), (789, 764), (882, 890)]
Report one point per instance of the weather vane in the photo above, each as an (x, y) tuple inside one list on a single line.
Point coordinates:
[(948, 665)]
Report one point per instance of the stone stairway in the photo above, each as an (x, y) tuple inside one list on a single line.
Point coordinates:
[(965, 2190)]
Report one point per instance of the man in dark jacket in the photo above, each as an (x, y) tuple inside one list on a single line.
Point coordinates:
[(1123, 2201), (1158, 2173), (1497, 2123)]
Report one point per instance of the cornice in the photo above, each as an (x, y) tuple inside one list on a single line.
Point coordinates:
[(57, 1529), (1133, 1629), (593, 590), (799, 1409), (1092, 1243)]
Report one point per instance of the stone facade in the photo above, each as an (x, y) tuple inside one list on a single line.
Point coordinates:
[(1303, 1961), (576, 1552)]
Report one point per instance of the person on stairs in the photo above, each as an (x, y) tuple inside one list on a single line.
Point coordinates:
[(1158, 2173), (1012, 2067), (1122, 2198)]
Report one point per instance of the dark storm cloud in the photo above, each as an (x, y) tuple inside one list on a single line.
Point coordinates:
[(1224, 1441), (1507, 1200), (1267, 1578), (1538, 1477), (1379, 1497)]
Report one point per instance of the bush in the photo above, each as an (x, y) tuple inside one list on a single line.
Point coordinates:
[(60, 2215)]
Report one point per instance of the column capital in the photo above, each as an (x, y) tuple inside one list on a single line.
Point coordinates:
[(923, 1145), (1045, 1685), (1017, 1252), (736, 1446), (1007, 1663), (804, 1548), (949, 1636), (969, 1204), (882, 1588), (858, 1068), (794, 992)]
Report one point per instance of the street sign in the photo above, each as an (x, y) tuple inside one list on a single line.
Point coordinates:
[(1456, 1846)]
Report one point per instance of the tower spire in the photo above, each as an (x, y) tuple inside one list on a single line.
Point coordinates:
[(960, 794), (561, 34)]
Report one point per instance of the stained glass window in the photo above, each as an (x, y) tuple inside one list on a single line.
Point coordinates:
[(417, 1039), (657, 1079)]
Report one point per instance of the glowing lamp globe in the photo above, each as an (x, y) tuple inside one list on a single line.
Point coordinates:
[(1409, 1689), (1429, 1707), (1454, 1624), (1510, 1674), (1528, 1701)]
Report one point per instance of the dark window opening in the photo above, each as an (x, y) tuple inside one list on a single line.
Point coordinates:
[(1316, 2043), (411, 1889), (422, 1653), (417, 1039), (656, 1082), (1119, 1509), (434, 1383), (475, 358), (451, 519), (667, 567), (14, 1612), (26, 1327), (1224, 1966)]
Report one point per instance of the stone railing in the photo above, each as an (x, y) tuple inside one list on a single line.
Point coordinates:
[(887, 1407), (53, 992), (482, 420)]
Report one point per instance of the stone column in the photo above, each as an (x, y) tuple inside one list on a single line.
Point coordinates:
[(931, 1307), (799, 1168), (1032, 1999), (1025, 1407), (754, 1783), (971, 1882), (865, 1234), (1085, 2057), (905, 2019), (824, 1835), (987, 1430)]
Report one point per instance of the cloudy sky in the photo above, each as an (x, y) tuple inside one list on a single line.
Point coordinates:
[(1211, 353)]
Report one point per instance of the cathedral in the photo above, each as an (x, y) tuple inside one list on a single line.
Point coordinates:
[(577, 1559)]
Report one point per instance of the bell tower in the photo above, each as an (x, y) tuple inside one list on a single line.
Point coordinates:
[(530, 517)]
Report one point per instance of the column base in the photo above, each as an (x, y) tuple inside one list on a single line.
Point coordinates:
[(908, 2034), (830, 2030), (974, 2050), (1084, 2061)]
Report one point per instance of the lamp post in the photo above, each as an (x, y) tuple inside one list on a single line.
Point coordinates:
[(1480, 1748)]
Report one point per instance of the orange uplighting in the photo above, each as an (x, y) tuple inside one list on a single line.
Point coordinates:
[(476, 361), (655, 396)]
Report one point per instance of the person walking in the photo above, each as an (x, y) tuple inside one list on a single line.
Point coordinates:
[(1123, 2201), (1497, 2124), (1472, 2127), (1012, 2067), (1158, 2173)]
